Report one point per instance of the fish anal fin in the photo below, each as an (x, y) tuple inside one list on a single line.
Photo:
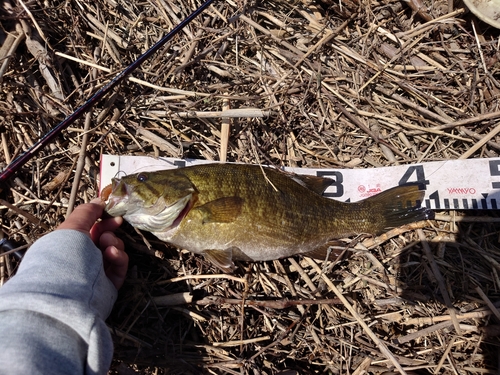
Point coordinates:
[(332, 249), (222, 210), (221, 258), (313, 183)]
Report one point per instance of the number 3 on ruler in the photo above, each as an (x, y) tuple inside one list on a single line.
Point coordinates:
[(337, 178), (420, 174)]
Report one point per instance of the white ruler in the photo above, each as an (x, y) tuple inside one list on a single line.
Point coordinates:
[(452, 184)]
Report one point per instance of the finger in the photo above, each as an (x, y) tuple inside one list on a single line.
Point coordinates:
[(116, 262), (106, 225), (109, 239), (84, 216)]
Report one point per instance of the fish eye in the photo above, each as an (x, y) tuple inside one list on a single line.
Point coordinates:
[(142, 177)]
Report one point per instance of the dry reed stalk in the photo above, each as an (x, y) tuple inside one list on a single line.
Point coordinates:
[(79, 166), (415, 82)]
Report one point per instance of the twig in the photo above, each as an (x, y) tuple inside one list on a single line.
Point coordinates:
[(434, 319), (224, 131), (363, 127), (479, 48), (4, 253), (105, 30), (136, 80), (27, 215), (226, 113), (157, 141), (40, 32), (241, 342), (380, 344), (488, 302), (329, 35), (8, 48), (468, 121), (439, 278), (80, 164), (201, 277), (423, 332), (292, 48), (481, 143), (445, 355)]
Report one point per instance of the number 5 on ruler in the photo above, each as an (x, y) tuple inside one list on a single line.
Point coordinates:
[(495, 171)]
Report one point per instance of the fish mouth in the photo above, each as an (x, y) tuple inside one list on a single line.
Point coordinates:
[(116, 206), (117, 199)]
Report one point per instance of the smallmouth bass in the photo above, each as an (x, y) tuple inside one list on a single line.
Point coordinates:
[(232, 212)]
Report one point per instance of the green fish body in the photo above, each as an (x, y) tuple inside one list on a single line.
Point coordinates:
[(232, 212)]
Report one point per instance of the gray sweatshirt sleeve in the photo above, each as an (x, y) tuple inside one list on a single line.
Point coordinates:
[(52, 311)]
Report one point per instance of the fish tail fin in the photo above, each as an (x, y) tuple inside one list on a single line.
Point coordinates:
[(396, 207)]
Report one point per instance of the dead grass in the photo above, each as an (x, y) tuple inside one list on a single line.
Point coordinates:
[(350, 85)]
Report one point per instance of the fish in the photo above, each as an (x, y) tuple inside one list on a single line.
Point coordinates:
[(229, 212)]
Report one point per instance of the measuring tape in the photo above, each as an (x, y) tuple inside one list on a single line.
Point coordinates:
[(449, 185)]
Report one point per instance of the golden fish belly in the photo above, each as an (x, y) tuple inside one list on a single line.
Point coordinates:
[(248, 240)]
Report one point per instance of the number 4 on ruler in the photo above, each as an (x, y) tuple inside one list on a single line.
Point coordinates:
[(420, 174)]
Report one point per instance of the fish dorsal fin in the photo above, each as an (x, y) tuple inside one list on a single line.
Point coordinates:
[(221, 258), (314, 183), (222, 210), (337, 248)]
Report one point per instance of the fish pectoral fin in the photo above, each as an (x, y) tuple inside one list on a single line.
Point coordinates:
[(222, 210), (314, 183), (221, 258), (331, 251)]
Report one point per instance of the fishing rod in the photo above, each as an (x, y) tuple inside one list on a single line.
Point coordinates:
[(22, 159)]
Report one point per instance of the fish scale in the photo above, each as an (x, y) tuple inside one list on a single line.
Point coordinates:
[(232, 212)]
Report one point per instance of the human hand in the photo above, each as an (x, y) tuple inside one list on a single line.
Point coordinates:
[(84, 219)]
